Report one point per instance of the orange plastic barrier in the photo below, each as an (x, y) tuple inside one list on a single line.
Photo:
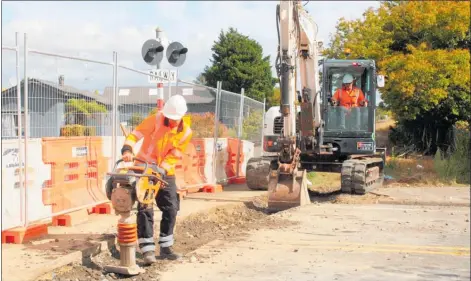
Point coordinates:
[(78, 169), (231, 165), (190, 172)]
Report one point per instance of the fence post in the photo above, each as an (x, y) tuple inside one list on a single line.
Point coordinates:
[(114, 110), (216, 131), (26, 126), (263, 123), (20, 128), (239, 131)]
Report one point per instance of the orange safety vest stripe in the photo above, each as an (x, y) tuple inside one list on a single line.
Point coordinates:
[(162, 145)]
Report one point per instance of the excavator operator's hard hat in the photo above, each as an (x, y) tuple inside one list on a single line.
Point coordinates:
[(347, 79), (175, 108)]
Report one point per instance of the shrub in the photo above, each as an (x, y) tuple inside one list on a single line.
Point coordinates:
[(77, 131), (252, 126), (453, 165), (135, 120), (203, 126)]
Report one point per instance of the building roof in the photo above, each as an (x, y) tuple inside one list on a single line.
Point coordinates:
[(69, 91), (148, 95), (126, 95)]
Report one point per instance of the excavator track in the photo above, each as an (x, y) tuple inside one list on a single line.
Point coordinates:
[(362, 175)]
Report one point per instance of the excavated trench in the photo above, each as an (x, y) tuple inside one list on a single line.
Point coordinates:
[(227, 222)]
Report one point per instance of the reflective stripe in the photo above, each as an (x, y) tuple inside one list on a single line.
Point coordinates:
[(138, 134), (185, 136), (166, 166), (166, 238), (176, 153), (148, 248), (145, 240), (166, 244)]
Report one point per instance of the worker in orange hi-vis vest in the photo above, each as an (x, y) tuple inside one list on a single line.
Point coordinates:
[(348, 97), (166, 137)]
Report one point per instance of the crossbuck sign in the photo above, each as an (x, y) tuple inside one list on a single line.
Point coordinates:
[(171, 75)]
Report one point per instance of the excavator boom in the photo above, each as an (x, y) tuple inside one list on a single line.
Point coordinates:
[(297, 50)]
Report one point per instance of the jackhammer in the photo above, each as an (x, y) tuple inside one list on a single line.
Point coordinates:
[(128, 185)]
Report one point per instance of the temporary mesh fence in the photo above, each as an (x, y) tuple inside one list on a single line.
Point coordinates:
[(63, 125)]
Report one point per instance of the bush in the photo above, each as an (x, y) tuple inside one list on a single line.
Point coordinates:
[(252, 126), (77, 131), (453, 165), (135, 120), (203, 126)]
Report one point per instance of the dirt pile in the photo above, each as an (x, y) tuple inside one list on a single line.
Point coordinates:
[(232, 222)]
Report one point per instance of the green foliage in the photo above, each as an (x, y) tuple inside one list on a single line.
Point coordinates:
[(274, 100), (238, 62), (422, 48), (80, 110), (77, 131), (423, 80), (252, 126), (135, 119), (203, 126), (455, 167)]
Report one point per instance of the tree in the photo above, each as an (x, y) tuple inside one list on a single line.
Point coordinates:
[(275, 99), (428, 81), (238, 62), (200, 80), (423, 49), (79, 110)]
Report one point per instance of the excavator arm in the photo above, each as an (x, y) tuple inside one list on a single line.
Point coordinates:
[(297, 51)]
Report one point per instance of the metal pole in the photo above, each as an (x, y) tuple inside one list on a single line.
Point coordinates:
[(114, 108), (26, 125), (216, 125), (239, 131), (263, 123), (176, 83), (20, 130)]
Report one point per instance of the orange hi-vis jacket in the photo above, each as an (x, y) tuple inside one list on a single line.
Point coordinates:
[(162, 145), (349, 99)]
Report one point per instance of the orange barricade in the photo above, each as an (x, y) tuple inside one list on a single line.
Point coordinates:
[(232, 163), (190, 172), (78, 170)]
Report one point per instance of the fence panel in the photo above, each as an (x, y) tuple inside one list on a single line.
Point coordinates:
[(203, 163), (136, 97), (12, 130), (69, 116), (66, 96), (253, 116)]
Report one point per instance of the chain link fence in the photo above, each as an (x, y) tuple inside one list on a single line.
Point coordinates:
[(66, 121)]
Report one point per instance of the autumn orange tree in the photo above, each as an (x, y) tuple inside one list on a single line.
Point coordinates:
[(422, 47)]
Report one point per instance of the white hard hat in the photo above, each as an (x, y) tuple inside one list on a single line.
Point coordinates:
[(347, 79), (175, 108)]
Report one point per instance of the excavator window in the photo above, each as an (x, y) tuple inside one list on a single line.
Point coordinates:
[(346, 118)]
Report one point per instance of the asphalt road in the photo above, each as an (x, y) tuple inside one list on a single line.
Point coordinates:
[(342, 242)]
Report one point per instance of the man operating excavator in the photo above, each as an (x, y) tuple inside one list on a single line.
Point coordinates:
[(348, 97), (165, 139)]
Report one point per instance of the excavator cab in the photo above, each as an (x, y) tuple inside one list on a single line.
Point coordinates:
[(350, 129)]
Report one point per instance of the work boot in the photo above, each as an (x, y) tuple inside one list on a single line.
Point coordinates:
[(168, 253), (149, 258)]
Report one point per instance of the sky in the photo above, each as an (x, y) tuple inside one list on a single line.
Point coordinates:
[(94, 30)]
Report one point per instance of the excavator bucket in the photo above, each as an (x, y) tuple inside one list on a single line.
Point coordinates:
[(287, 190)]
